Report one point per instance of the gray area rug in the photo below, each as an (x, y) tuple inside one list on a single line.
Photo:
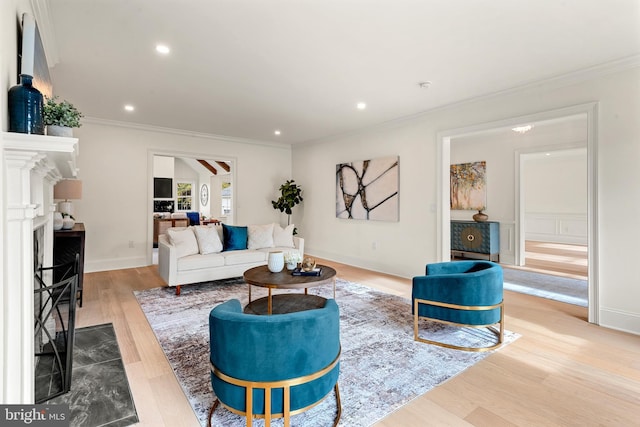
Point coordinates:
[(381, 368), (571, 291), (100, 395)]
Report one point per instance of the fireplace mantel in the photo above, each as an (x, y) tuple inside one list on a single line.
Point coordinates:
[(32, 164)]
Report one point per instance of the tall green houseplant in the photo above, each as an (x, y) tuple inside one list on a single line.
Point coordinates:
[(290, 195)]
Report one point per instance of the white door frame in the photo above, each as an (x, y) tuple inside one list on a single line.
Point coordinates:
[(444, 214)]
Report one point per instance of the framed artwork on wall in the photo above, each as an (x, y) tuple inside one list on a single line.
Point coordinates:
[(204, 195), (368, 189), (468, 186)]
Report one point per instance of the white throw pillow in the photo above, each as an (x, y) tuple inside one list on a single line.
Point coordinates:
[(260, 236), (184, 240), (283, 237), (208, 240)]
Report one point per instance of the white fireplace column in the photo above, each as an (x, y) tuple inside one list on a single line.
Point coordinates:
[(31, 166)]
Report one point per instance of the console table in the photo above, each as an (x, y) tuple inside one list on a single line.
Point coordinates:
[(476, 240), (161, 225), (66, 244)]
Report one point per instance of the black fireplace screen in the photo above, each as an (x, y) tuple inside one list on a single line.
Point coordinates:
[(55, 310)]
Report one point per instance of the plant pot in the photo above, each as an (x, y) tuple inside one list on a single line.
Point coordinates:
[(55, 130), (292, 265)]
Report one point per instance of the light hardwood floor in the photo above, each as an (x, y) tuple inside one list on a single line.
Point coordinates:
[(558, 259), (562, 371)]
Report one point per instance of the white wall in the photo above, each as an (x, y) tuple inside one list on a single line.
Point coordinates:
[(116, 164), (163, 167), (555, 196), (403, 248)]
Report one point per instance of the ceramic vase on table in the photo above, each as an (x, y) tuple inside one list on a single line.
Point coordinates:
[(57, 221), (275, 263), (291, 265), (26, 108), (480, 216), (68, 223)]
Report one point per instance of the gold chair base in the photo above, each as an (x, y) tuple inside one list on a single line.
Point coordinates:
[(286, 417), (498, 332)]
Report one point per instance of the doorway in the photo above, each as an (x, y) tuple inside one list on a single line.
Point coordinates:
[(553, 197), (201, 192), (513, 237)]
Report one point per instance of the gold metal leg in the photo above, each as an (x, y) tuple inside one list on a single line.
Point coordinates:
[(213, 408), (339, 405), (249, 292), (269, 305)]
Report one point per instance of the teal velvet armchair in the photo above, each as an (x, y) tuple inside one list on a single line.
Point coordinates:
[(274, 366), (462, 293)]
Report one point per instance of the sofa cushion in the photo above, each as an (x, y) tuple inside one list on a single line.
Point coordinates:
[(235, 237), (184, 240), (243, 257), (197, 262), (260, 236), (208, 240), (283, 237)]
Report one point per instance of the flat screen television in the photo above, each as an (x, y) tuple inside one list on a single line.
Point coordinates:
[(162, 188)]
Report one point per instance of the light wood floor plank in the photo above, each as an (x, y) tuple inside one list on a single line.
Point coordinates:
[(562, 371)]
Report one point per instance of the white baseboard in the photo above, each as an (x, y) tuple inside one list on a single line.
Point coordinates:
[(620, 320), (114, 264)]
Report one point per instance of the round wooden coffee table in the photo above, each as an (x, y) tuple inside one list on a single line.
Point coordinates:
[(261, 276)]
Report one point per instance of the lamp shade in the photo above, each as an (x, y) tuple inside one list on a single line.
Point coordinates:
[(68, 189)]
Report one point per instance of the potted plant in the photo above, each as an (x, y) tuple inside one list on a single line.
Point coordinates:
[(60, 117), (292, 259), (290, 195)]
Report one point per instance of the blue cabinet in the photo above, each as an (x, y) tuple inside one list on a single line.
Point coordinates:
[(476, 240)]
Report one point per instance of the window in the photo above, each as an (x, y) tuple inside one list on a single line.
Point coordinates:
[(184, 195), (226, 198)]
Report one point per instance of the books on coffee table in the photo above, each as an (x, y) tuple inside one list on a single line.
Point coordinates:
[(300, 272)]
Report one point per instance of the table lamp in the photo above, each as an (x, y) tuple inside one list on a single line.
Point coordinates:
[(67, 189)]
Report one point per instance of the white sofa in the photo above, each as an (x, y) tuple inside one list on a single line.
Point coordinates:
[(178, 266)]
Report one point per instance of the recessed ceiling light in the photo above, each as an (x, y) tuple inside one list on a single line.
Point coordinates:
[(547, 154), (129, 107), (522, 129), (277, 132), (361, 105), (163, 49)]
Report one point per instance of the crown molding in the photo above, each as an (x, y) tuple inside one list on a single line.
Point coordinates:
[(554, 82), (42, 15), (181, 132)]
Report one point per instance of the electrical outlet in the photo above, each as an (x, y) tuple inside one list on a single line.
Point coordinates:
[(374, 245), (131, 243)]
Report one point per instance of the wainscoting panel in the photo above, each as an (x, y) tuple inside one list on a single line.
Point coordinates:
[(556, 227)]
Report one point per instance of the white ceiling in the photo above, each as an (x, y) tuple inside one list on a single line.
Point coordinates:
[(244, 68)]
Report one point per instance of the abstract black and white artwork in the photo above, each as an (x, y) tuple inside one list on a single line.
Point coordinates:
[(368, 189)]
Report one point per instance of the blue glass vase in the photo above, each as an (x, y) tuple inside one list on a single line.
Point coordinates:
[(25, 107)]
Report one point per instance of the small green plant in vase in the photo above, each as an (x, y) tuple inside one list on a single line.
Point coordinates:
[(60, 117)]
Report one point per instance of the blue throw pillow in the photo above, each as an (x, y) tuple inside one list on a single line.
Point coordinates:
[(235, 238)]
